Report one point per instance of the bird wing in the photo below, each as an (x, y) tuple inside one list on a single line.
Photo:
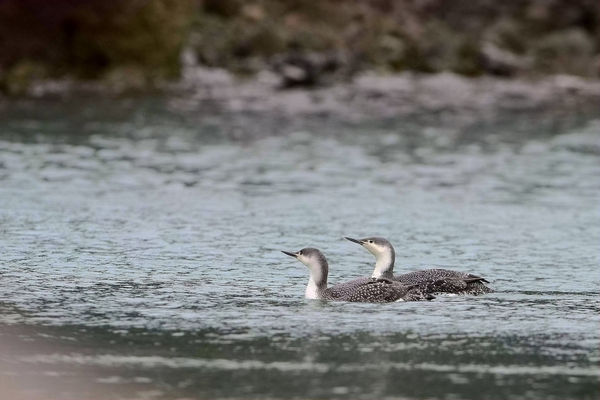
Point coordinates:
[(367, 290), (444, 280)]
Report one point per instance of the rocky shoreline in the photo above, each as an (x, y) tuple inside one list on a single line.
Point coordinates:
[(445, 99), (374, 95)]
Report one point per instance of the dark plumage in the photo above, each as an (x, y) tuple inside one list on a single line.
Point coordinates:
[(375, 290), (444, 281), (371, 290), (427, 281)]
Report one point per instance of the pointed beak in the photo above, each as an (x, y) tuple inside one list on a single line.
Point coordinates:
[(354, 240), (289, 254)]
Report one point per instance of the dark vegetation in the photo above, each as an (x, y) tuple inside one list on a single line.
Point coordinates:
[(139, 42)]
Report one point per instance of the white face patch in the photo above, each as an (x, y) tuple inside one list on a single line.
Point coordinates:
[(311, 262), (373, 248), (316, 275), (303, 259), (383, 258)]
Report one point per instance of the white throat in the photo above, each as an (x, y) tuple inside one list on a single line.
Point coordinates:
[(383, 264), (312, 292)]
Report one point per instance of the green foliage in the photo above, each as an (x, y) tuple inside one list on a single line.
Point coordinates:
[(89, 39), (508, 34), (570, 51), (20, 76), (227, 43), (468, 59), (138, 42), (148, 34)]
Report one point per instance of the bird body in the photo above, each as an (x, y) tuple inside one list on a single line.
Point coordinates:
[(429, 280), (387, 289), (444, 281), (370, 290)]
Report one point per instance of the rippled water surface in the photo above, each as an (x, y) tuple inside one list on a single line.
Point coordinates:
[(139, 255)]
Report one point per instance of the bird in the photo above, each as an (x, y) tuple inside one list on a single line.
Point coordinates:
[(429, 280), (369, 290)]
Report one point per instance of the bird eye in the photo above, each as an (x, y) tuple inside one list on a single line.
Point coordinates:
[(370, 241), (300, 252)]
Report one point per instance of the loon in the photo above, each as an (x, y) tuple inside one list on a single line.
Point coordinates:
[(369, 290), (429, 280)]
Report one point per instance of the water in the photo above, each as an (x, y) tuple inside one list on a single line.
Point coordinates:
[(140, 257)]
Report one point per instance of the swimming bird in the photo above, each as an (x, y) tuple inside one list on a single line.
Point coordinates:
[(428, 280), (370, 290)]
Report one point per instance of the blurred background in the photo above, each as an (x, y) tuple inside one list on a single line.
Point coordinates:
[(156, 156), (139, 43)]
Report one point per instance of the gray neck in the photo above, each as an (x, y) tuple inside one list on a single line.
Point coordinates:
[(384, 264), (317, 283), (314, 290)]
